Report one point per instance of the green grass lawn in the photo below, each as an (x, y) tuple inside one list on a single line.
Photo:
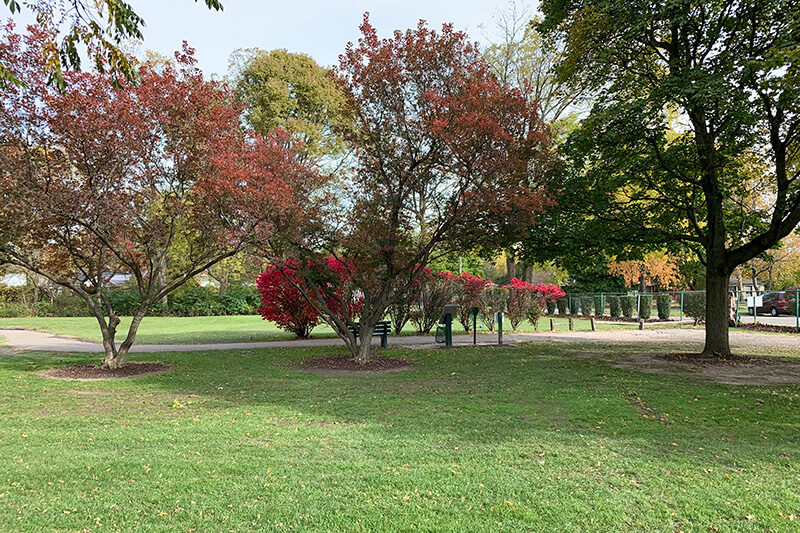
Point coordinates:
[(525, 439), (208, 329)]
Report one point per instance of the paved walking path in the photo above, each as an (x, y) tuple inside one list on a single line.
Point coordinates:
[(18, 339)]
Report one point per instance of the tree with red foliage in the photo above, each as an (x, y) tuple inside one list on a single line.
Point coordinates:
[(105, 179), (521, 297), (442, 150), (525, 300), (283, 303), (469, 289), (282, 300)]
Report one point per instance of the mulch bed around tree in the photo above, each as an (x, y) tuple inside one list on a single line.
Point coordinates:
[(768, 327), (344, 365), (707, 360), (91, 371)]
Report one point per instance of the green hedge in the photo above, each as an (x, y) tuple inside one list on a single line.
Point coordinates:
[(628, 305), (694, 306), (574, 305), (598, 306), (664, 305), (613, 306), (645, 306), (551, 306), (561, 303), (587, 306)]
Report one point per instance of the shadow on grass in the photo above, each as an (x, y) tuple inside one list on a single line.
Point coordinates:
[(466, 396)]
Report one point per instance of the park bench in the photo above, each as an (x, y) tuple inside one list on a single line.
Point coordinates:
[(382, 330)]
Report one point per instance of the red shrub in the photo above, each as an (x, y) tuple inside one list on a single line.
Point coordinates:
[(283, 303), (469, 289)]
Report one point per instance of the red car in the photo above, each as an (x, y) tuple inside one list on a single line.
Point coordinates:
[(775, 303)]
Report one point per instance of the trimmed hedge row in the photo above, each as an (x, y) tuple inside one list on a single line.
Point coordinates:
[(189, 301)]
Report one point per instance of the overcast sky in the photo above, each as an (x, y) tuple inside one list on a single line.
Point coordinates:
[(316, 27)]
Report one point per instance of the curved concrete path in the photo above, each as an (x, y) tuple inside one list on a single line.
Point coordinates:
[(20, 339)]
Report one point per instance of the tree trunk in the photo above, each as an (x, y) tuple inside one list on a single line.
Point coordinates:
[(115, 356), (717, 311), (108, 328), (511, 268)]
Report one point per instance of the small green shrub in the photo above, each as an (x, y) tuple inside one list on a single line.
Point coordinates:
[(533, 314), (66, 304), (239, 299), (645, 306), (561, 303), (587, 306), (664, 305), (124, 301), (195, 301), (613, 306), (627, 303), (551, 306), (598, 306), (14, 310), (694, 306), (574, 305)]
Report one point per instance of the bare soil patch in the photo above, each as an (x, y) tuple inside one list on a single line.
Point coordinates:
[(767, 327), (340, 365), (91, 372), (735, 370)]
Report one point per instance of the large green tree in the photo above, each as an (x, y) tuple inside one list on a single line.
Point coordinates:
[(100, 25), (291, 91), (696, 96)]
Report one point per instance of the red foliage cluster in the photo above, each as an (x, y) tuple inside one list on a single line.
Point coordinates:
[(293, 304), (468, 295), (525, 300)]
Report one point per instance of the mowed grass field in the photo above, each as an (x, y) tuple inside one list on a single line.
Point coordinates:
[(530, 438), (223, 329)]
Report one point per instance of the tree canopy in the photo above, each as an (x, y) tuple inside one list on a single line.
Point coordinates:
[(442, 151), (697, 100), (290, 91), (101, 26), (103, 179)]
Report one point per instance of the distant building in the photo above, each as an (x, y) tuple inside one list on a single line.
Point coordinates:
[(745, 285)]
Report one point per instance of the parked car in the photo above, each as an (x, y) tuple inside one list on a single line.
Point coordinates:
[(775, 303)]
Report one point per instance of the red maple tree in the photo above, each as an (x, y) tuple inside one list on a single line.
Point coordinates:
[(442, 151), (105, 179)]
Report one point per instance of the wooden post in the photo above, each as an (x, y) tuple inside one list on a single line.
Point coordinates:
[(571, 324), (592, 321), (552, 325), (641, 323)]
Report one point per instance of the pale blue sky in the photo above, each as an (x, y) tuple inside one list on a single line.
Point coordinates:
[(317, 27)]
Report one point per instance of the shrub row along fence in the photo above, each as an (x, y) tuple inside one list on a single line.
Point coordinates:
[(678, 305), (238, 299), (674, 305)]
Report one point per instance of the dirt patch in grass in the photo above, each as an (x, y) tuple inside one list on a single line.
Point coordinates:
[(735, 370), (91, 372), (340, 365), (767, 327)]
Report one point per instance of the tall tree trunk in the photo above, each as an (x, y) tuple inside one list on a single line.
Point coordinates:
[(717, 309), (528, 275), (642, 281), (511, 268)]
